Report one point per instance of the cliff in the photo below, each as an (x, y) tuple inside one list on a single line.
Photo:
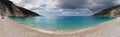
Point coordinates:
[(8, 8), (109, 12)]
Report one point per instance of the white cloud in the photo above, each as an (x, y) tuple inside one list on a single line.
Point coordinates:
[(17, 1), (29, 4), (117, 2)]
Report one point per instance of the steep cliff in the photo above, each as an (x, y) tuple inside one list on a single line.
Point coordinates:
[(109, 12), (8, 8)]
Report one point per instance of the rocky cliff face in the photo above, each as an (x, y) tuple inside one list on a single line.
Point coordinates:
[(8, 8), (110, 12)]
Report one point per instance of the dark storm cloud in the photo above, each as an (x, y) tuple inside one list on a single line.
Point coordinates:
[(72, 3), (92, 4)]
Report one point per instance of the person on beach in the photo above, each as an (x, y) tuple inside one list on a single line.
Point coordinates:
[(2, 15)]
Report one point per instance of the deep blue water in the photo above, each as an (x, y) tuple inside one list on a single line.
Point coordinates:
[(62, 23)]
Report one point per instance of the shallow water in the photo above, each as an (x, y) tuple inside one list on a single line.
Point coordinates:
[(62, 23)]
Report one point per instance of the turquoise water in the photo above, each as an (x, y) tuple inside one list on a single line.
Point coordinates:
[(61, 23)]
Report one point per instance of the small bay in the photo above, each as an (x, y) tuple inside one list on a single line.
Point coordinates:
[(61, 23)]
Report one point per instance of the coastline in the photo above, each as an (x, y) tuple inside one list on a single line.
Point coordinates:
[(9, 28)]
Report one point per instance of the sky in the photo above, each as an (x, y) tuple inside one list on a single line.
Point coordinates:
[(66, 7)]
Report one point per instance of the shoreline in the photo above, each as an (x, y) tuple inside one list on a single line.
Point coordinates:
[(95, 31), (60, 32), (50, 32)]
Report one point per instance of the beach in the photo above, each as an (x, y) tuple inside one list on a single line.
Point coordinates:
[(10, 28)]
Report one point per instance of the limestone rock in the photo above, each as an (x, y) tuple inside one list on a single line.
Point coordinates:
[(109, 12), (8, 8)]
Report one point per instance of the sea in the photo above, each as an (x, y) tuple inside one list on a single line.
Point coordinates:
[(63, 24)]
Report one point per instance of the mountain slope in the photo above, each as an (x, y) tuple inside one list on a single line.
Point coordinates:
[(8, 8), (109, 12)]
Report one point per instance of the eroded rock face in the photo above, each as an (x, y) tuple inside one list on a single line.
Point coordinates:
[(8, 8), (110, 12)]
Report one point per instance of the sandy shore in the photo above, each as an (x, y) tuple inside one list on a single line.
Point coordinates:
[(9, 28)]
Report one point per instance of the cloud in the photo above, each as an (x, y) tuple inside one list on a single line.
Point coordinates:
[(36, 4), (78, 12), (72, 4), (68, 12), (17, 1), (92, 4), (29, 4), (60, 5), (48, 4)]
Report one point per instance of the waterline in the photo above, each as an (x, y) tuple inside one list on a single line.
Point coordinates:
[(63, 24)]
